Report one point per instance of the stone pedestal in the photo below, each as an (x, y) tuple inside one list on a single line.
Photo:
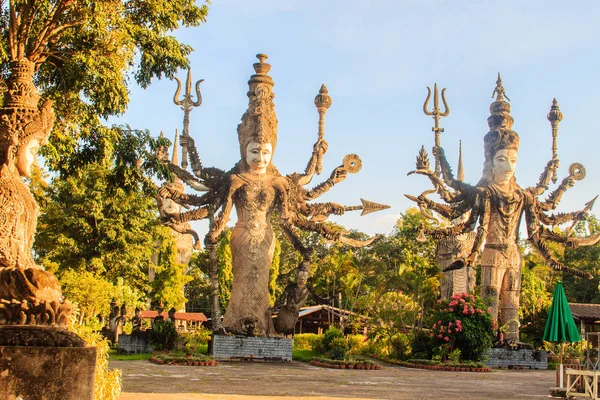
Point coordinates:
[(48, 373), (252, 348), (521, 358), (134, 344)]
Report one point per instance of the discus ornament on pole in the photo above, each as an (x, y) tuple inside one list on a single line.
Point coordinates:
[(322, 102), (554, 116), (187, 104), (436, 113)]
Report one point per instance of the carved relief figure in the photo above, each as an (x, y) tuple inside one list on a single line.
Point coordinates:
[(495, 207), (257, 190), (23, 130)]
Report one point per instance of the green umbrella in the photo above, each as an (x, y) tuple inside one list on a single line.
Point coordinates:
[(560, 326)]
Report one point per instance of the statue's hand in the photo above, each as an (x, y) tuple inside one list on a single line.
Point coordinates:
[(184, 140), (553, 164), (321, 147), (338, 209), (165, 192), (338, 175), (437, 152)]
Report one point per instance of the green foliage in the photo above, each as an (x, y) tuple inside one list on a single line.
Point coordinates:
[(113, 355), (169, 279), (85, 55), (274, 274), (91, 293), (305, 341), (224, 260), (101, 219), (163, 335), (107, 385), (303, 355), (357, 344), (464, 323), (196, 342), (421, 344), (337, 348)]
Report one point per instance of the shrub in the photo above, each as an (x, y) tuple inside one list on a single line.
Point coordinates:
[(305, 341), (399, 346), (163, 335), (463, 322), (337, 349), (421, 344), (357, 344), (322, 345), (107, 385), (197, 341)]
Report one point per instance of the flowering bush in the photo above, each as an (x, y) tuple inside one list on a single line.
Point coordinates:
[(463, 322)]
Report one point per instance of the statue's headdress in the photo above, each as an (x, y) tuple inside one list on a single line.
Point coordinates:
[(259, 122), (176, 184), (500, 136), (20, 118)]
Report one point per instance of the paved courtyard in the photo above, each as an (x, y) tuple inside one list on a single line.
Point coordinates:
[(252, 381)]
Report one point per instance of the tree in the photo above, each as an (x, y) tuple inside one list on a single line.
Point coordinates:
[(85, 52), (101, 218), (224, 261), (169, 278)]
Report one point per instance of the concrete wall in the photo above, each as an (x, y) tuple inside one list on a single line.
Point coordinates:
[(134, 344), (259, 348), (526, 358)]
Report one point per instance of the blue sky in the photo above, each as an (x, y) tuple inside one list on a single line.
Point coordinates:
[(376, 58)]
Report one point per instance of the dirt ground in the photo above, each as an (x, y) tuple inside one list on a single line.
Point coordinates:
[(295, 380)]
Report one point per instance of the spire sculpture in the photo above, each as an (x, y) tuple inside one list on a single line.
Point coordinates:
[(256, 189), (493, 209)]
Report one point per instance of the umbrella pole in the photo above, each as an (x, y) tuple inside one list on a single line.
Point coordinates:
[(560, 360)]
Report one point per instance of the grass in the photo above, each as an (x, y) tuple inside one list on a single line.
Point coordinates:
[(302, 355), (113, 355)]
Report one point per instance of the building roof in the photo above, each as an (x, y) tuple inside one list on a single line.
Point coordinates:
[(304, 311), (585, 311), (179, 316)]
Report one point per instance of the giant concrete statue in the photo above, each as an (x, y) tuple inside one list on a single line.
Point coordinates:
[(257, 191), (28, 294), (495, 207)]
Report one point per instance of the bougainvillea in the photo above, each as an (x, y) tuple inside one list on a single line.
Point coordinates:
[(463, 322)]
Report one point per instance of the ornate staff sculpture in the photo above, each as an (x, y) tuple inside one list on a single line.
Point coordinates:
[(257, 190), (495, 207), (187, 104)]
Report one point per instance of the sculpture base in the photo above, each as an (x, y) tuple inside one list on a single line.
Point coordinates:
[(521, 358), (35, 372), (134, 344), (251, 348)]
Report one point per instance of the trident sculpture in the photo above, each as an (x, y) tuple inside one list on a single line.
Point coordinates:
[(187, 104), (436, 114)]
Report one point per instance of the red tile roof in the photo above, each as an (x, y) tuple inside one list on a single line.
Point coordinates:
[(182, 316)]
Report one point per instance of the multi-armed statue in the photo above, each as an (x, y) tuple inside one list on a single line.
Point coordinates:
[(494, 207), (257, 190)]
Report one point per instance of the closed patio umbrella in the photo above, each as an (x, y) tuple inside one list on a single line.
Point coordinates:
[(560, 326)]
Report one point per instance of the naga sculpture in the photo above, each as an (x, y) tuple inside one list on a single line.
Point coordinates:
[(258, 191), (494, 209), (29, 295)]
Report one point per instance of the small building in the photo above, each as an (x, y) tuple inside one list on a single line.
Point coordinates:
[(587, 315), (317, 319), (183, 320)]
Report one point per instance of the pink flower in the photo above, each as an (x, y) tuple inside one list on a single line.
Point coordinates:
[(440, 336), (431, 334), (490, 310), (479, 311), (451, 309), (449, 324), (472, 311), (458, 321), (446, 338), (434, 325), (439, 322)]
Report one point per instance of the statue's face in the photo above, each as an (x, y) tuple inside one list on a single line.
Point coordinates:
[(258, 156), (27, 157), (170, 207), (503, 167)]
